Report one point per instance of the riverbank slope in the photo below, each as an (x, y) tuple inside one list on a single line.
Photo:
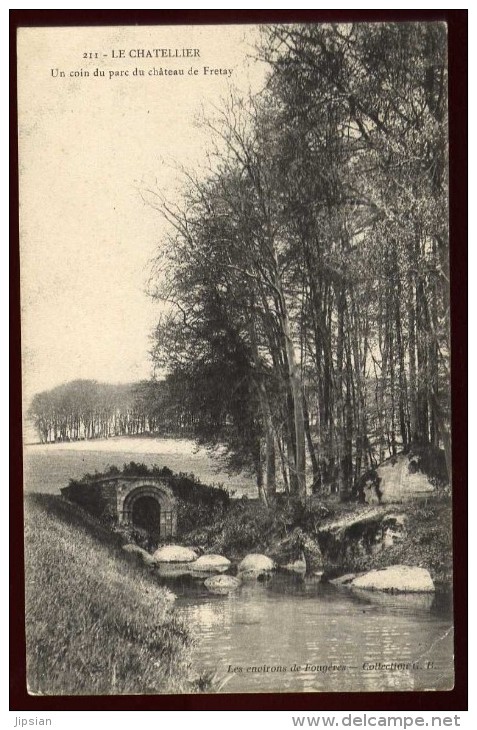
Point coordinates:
[(336, 538), (95, 624)]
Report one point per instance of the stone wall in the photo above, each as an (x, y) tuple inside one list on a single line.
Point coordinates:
[(113, 499)]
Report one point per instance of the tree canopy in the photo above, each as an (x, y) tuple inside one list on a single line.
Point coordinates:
[(306, 275)]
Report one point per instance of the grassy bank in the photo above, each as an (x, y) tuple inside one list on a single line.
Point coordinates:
[(283, 532), (94, 623)]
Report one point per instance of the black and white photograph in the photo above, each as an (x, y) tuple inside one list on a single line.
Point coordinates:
[(235, 333)]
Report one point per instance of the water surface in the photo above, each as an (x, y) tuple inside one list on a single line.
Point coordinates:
[(336, 640)]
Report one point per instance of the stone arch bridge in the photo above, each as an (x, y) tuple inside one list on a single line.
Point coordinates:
[(144, 502)]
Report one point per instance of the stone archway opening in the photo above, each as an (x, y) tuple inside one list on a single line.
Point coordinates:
[(146, 514), (149, 507), (148, 503)]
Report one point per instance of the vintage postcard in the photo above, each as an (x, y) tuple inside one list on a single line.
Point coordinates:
[(234, 249)]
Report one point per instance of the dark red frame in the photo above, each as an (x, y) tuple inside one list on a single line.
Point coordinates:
[(455, 699)]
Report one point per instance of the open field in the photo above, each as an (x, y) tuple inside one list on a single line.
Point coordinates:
[(49, 467), (95, 623)]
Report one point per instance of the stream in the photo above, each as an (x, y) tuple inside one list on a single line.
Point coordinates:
[(291, 633), (296, 634)]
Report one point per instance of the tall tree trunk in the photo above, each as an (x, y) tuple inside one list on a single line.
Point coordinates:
[(298, 416), (269, 432), (316, 487), (422, 367), (402, 372), (270, 461), (340, 407), (262, 495), (411, 313), (283, 464)]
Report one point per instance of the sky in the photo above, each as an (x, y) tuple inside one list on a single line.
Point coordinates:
[(88, 145)]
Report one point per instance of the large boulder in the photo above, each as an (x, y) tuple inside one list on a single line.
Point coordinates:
[(174, 554), (397, 579), (222, 584), (256, 563), (397, 480), (256, 566), (211, 563)]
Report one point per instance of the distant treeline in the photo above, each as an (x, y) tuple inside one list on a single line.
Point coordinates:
[(86, 409)]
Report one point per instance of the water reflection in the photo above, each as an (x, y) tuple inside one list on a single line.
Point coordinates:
[(412, 602), (295, 634)]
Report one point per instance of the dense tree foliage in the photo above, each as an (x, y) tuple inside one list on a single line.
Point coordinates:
[(306, 275), (305, 281)]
